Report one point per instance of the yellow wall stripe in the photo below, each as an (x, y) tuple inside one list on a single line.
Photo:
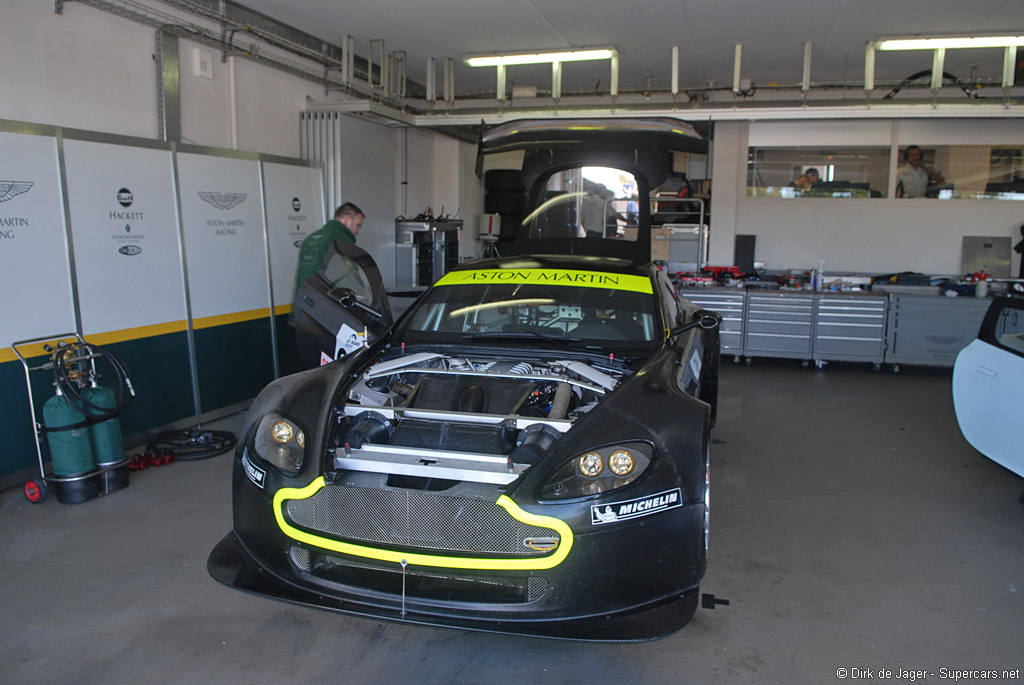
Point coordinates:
[(140, 332), (235, 317), (284, 494)]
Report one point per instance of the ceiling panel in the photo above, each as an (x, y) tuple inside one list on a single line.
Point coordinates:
[(773, 34)]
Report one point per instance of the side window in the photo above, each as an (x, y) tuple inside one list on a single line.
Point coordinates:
[(1008, 330), (342, 272)]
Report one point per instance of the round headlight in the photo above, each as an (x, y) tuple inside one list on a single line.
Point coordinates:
[(621, 462), (300, 439), (282, 432), (590, 464)]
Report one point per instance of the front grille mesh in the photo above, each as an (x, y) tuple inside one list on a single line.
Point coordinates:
[(426, 582), (415, 519)]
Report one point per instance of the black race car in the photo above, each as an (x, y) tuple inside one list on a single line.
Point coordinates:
[(526, 450)]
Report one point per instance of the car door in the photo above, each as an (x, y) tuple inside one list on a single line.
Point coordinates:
[(342, 308), (988, 381)]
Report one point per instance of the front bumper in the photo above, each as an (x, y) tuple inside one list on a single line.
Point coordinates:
[(627, 580), (232, 564)]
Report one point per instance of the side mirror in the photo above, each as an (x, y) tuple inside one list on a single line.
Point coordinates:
[(702, 319)]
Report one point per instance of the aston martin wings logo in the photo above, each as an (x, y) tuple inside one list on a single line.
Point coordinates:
[(222, 200), (9, 189)]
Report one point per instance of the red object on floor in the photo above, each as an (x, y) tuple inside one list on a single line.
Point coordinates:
[(147, 459)]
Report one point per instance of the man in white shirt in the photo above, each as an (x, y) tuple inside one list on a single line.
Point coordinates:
[(913, 179)]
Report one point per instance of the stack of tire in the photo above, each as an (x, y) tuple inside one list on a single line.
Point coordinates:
[(505, 196)]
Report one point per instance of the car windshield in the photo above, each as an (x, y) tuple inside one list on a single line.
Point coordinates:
[(593, 310)]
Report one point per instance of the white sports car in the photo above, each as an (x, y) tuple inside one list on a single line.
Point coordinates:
[(988, 381)]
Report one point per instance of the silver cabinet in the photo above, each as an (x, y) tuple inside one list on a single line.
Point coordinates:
[(779, 325), (849, 328), (425, 251), (730, 304), (931, 331)]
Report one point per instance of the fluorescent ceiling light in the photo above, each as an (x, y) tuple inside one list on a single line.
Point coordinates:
[(540, 57), (949, 42)]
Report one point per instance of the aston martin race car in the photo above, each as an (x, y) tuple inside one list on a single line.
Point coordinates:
[(526, 450)]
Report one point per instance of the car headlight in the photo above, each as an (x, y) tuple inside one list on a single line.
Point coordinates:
[(598, 471), (280, 442)]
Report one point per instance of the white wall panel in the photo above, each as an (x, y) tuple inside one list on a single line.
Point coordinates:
[(874, 236), (830, 133), (84, 69), (294, 199), (1009, 132), (222, 218), (368, 179), (34, 273), (127, 251)]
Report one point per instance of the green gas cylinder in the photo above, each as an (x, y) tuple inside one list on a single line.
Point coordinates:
[(70, 448), (107, 442)]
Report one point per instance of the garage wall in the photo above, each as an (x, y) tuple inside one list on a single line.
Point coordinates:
[(881, 235), (167, 256), (89, 69)]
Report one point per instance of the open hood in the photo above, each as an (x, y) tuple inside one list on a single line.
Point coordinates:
[(588, 181)]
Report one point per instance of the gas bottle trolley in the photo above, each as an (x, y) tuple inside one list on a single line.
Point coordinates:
[(76, 362)]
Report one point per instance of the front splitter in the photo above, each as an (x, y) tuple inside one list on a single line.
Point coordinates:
[(230, 563)]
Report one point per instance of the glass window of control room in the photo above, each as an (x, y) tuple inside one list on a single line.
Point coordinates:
[(961, 172), (818, 171), (943, 172)]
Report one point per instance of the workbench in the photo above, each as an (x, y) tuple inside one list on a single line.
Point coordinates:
[(819, 327)]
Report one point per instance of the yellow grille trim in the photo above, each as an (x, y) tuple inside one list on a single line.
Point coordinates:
[(417, 559)]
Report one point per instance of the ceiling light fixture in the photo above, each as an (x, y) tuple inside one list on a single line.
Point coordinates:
[(555, 59), (939, 45), (949, 42), (509, 59)]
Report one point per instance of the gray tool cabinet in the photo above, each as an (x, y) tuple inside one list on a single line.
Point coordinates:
[(730, 303), (849, 328), (931, 331), (875, 328), (779, 325)]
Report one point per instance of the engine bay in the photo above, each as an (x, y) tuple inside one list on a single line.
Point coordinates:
[(461, 418)]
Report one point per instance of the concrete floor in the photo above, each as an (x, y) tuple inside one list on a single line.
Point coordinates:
[(853, 527)]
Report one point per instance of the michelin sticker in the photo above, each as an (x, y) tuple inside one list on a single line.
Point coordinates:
[(256, 474), (635, 508)]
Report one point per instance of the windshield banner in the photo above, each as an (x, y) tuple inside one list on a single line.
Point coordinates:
[(568, 277)]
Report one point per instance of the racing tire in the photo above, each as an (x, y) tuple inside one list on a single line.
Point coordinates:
[(503, 181), (35, 490), (504, 203)]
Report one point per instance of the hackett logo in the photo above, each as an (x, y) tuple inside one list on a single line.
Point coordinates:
[(11, 189), (125, 197), (296, 204), (130, 250)]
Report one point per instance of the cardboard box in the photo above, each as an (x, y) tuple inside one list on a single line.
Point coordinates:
[(660, 242)]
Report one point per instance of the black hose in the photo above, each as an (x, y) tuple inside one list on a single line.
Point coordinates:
[(123, 389), (193, 444)]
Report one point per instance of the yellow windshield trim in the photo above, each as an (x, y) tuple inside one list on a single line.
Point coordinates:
[(566, 277)]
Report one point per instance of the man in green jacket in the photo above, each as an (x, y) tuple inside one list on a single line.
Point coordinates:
[(345, 225)]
